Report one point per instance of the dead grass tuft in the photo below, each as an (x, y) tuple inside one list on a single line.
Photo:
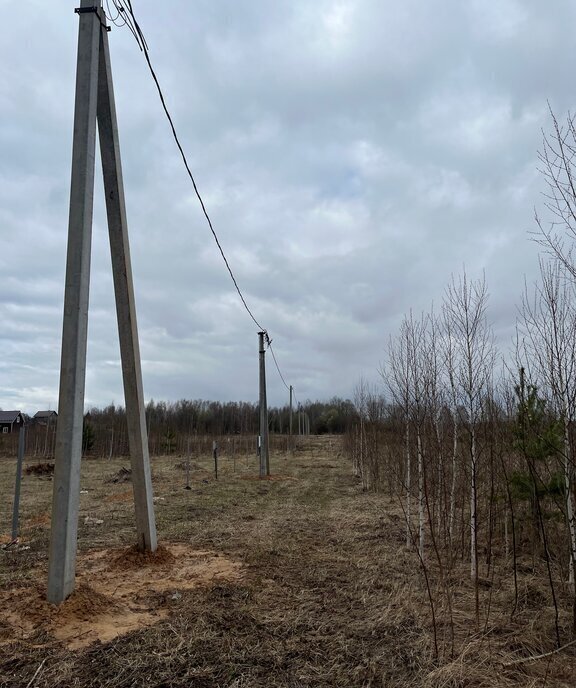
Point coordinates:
[(269, 478), (124, 475), (39, 469)]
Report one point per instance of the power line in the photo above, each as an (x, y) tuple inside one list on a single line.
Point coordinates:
[(132, 23), (114, 20), (144, 48), (125, 19), (276, 364)]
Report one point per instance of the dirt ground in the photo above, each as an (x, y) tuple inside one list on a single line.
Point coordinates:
[(117, 591), (301, 580)]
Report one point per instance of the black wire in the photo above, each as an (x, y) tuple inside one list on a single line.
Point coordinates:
[(126, 20), (184, 159), (109, 14), (135, 31), (132, 20), (132, 23), (276, 364)]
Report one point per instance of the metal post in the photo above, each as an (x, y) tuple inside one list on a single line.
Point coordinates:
[(215, 455), (264, 454), (16, 509), (68, 451)]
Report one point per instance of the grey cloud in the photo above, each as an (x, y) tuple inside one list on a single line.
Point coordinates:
[(353, 155)]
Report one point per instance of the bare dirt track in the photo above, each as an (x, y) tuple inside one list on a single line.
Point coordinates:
[(303, 580)]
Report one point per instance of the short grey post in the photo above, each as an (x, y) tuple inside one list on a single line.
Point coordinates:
[(125, 304), (16, 508), (264, 452), (46, 438), (68, 451), (188, 467), (94, 102)]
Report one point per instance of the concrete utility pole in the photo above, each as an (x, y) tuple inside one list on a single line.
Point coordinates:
[(290, 425), (94, 103), (264, 448)]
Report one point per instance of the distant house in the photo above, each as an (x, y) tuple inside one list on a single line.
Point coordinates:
[(45, 417), (10, 421)]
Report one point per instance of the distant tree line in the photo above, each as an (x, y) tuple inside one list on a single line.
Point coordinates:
[(172, 424)]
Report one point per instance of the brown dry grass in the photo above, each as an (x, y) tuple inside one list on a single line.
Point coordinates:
[(328, 595)]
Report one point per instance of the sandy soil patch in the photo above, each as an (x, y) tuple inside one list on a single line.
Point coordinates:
[(117, 591)]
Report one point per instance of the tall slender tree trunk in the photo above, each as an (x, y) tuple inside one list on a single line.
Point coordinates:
[(408, 484), (454, 480), (473, 508), (474, 522), (569, 489), (421, 495)]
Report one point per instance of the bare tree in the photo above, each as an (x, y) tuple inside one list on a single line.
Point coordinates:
[(473, 358), (547, 334), (450, 359), (558, 167), (407, 386), (361, 393), (434, 380), (397, 378)]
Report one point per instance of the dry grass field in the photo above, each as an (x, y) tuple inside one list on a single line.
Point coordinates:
[(300, 580)]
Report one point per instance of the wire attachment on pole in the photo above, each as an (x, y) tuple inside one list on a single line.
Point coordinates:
[(94, 9)]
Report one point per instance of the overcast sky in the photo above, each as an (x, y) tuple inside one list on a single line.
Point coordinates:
[(353, 154)]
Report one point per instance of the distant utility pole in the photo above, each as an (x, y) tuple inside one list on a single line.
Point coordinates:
[(20, 460), (264, 449), (290, 426), (94, 104)]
